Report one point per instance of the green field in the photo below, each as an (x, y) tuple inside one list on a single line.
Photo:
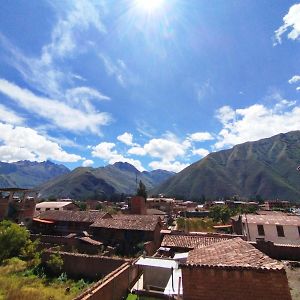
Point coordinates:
[(18, 282)]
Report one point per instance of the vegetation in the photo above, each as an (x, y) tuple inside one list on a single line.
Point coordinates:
[(55, 263), (195, 224), (141, 191), (15, 241), (19, 282)]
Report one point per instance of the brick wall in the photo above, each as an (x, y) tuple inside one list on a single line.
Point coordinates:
[(114, 286), (86, 266), (224, 284)]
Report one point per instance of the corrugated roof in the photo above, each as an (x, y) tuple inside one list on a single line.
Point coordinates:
[(157, 262), (129, 222), (73, 216), (232, 253), (189, 241), (273, 219), (52, 204)]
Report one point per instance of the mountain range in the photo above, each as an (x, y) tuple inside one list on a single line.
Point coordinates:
[(267, 167), (27, 174), (99, 183)]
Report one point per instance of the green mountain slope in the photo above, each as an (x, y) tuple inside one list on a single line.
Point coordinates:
[(267, 167), (26, 174), (95, 183)]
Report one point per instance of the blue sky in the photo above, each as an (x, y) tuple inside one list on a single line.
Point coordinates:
[(156, 83)]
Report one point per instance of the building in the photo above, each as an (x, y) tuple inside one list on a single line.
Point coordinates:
[(56, 205), (186, 242), (128, 232), (63, 222), (233, 269), (137, 205), (17, 205), (277, 228)]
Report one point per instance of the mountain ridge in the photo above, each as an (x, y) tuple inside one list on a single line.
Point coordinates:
[(267, 167)]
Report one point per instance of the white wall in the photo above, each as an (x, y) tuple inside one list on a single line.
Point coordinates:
[(291, 234)]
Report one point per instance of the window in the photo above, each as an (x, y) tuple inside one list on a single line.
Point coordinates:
[(299, 230), (47, 208), (280, 231), (260, 229), (38, 208), (56, 208)]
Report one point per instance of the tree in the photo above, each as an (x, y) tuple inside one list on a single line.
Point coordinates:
[(55, 262), (220, 213), (13, 240), (141, 191)]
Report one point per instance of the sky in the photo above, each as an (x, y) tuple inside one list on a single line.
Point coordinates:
[(155, 83)]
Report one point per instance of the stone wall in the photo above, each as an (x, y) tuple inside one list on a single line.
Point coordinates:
[(114, 286), (227, 284), (86, 266), (278, 251)]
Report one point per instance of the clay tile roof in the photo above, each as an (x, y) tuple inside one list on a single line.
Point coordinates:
[(73, 216), (274, 219), (231, 253), (129, 222), (189, 241)]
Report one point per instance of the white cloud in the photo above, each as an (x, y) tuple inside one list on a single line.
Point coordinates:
[(174, 166), (9, 116), (137, 151), (294, 79), (200, 136), (58, 113), (87, 163), (126, 138), (19, 143), (107, 152), (201, 152), (291, 22), (256, 122), (116, 69)]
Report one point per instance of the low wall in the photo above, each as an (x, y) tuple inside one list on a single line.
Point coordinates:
[(278, 251), (86, 266), (114, 286)]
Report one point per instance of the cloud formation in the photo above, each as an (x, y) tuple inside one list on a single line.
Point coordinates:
[(22, 143), (108, 153), (291, 23), (127, 139), (256, 122), (57, 112)]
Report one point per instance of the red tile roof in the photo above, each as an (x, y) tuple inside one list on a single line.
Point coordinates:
[(129, 222), (189, 241), (73, 216), (231, 253)]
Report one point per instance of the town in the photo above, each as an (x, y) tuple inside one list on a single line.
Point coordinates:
[(163, 248)]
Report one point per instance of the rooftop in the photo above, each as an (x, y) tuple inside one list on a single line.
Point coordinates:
[(189, 241), (232, 253), (52, 204), (274, 219), (129, 222), (73, 216)]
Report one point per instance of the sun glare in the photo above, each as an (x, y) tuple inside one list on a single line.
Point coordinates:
[(149, 6)]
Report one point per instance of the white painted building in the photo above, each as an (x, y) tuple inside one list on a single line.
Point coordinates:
[(55, 205), (280, 229)]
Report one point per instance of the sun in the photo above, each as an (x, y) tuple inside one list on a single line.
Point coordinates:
[(149, 6)]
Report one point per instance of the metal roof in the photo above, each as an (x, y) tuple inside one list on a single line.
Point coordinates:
[(157, 262)]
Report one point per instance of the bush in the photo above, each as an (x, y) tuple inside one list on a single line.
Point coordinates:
[(13, 239), (55, 262)]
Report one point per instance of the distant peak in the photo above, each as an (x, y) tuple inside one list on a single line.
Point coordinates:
[(125, 166)]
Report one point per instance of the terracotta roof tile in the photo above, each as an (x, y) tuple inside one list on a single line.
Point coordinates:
[(189, 241), (73, 216), (129, 222), (231, 253)]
